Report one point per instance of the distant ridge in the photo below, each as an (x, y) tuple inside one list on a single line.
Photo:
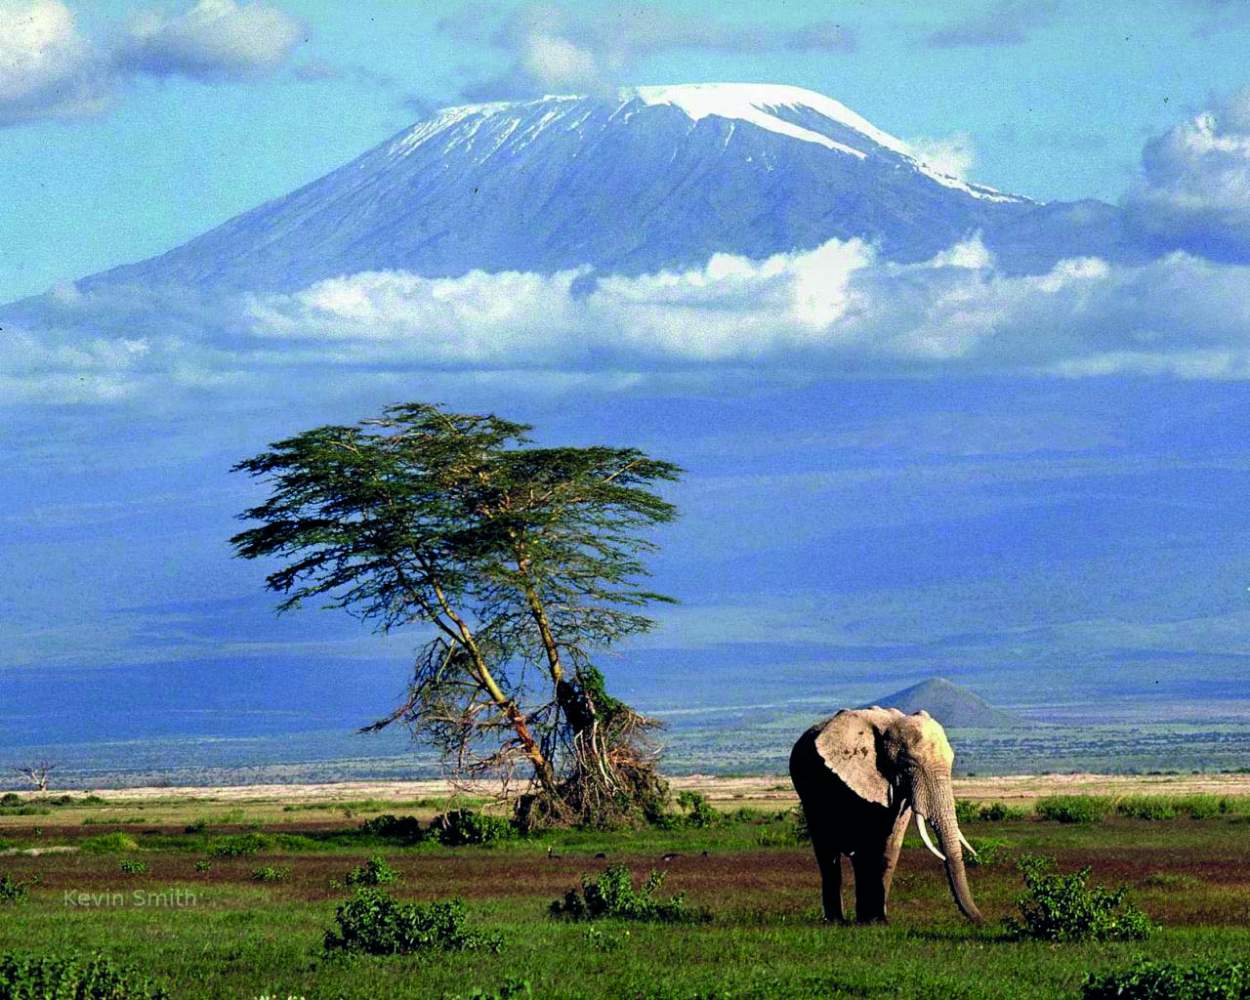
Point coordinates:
[(951, 704)]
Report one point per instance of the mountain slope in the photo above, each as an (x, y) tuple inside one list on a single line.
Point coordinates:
[(653, 178), (952, 705)]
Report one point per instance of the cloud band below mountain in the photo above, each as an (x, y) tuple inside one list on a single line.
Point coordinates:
[(836, 310)]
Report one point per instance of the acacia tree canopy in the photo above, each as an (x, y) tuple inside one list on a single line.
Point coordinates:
[(520, 560)]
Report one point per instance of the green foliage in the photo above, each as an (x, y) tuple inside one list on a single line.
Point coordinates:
[(785, 829), (11, 890), (1059, 907), (72, 977), (1072, 808), (514, 988), (967, 812), (271, 873), (130, 867), (1146, 807), (375, 871), (612, 894), (10, 799), (240, 845), (462, 827), (203, 867), (1146, 980), (110, 843), (990, 851), (375, 923), (401, 829), (698, 811)]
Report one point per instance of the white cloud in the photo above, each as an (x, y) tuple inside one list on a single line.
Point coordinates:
[(47, 69), (1194, 189), (953, 155), (212, 40), (833, 311)]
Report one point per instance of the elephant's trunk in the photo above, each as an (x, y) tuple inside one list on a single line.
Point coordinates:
[(939, 806)]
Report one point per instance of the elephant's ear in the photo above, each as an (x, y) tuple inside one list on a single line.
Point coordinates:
[(848, 745)]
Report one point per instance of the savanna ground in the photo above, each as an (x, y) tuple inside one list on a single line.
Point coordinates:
[(221, 933)]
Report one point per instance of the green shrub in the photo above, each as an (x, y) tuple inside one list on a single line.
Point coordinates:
[(402, 829), (1170, 880), (375, 871), (13, 891), (110, 843), (467, 826), (996, 812), (698, 811), (1146, 807), (1145, 980), (1072, 808), (512, 989), (1058, 907), (990, 851), (204, 866), (271, 873), (375, 923), (90, 977), (784, 829), (134, 867), (10, 799), (240, 845), (612, 894), (966, 811)]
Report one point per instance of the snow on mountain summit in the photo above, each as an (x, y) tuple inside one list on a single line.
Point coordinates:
[(648, 179)]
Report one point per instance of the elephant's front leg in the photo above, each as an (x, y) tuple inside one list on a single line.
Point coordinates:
[(874, 873)]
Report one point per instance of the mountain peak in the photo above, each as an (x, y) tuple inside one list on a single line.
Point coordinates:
[(951, 704)]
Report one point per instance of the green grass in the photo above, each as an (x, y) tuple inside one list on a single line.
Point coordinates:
[(216, 933)]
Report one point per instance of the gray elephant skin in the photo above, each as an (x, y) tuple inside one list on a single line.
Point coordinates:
[(861, 775)]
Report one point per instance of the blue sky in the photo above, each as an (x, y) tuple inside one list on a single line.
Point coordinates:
[(1053, 100), (1032, 482)]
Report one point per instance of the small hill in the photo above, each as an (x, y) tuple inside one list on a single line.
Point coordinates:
[(952, 705)]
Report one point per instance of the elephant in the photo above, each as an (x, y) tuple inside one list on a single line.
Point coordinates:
[(860, 776)]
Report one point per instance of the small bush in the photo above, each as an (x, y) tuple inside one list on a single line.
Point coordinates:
[(784, 829), (375, 871), (13, 891), (91, 977), (461, 827), (512, 989), (134, 867), (239, 845), (996, 812), (402, 829), (966, 811), (698, 811), (110, 843), (612, 894), (1146, 807), (197, 826), (991, 851), (1058, 907), (375, 923), (10, 799), (204, 867), (271, 873), (1170, 880), (1145, 980), (1072, 808)]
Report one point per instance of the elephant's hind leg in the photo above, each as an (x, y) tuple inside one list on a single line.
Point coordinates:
[(830, 862), (870, 887)]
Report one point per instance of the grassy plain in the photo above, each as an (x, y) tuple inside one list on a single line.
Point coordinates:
[(198, 919)]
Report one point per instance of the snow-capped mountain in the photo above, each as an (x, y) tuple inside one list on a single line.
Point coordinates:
[(656, 177)]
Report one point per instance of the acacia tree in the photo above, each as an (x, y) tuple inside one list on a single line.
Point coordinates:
[(521, 560)]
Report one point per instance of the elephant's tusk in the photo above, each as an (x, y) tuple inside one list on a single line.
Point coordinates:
[(924, 835), (964, 840)]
